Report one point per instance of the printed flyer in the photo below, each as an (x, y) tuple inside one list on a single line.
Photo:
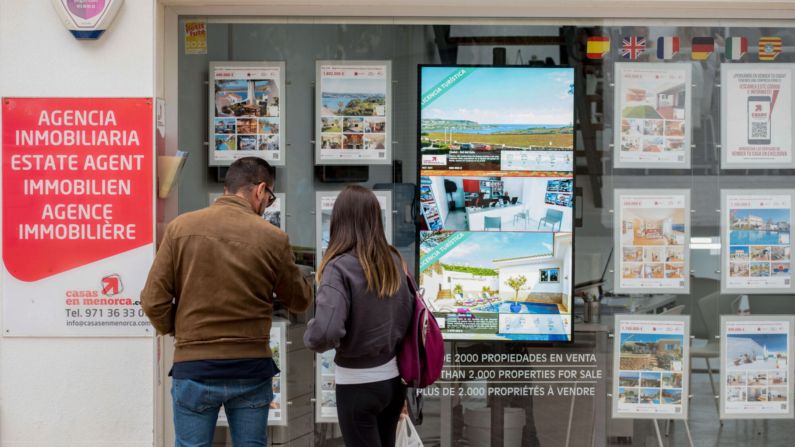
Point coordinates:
[(326, 388), (651, 365), (246, 112), (755, 368), (278, 411), (275, 213), (652, 231), (756, 230), (353, 120), (756, 104), (498, 285), (652, 115)]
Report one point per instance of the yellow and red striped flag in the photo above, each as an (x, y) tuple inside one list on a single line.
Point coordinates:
[(597, 47), (769, 48)]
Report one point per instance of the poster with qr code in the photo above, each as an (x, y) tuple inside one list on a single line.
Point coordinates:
[(757, 110), (652, 115), (755, 227), (353, 118)]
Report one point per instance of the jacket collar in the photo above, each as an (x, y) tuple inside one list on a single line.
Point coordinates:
[(234, 201)]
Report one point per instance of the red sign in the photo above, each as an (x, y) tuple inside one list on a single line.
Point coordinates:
[(77, 182)]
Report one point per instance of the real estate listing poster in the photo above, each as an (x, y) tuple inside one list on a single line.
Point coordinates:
[(278, 411), (496, 118), (324, 204), (755, 231), (326, 388), (353, 117), (756, 116), (275, 214), (246, 104), (755, 369), (652, 115), (498, 285), (650, 367), (652, 230)]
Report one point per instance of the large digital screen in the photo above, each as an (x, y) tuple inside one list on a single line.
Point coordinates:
[(497, 199)]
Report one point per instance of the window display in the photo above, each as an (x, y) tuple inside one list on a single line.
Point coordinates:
[(650, 367), (246, 104), (496, 193), (756, 370), (755, 226), (324, 203), (275, 214), (652, 231), (756, 116), (652, 114), (353, 119)]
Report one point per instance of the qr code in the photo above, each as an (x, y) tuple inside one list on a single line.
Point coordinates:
[(681, 283), (680, 158), (381, 155), (783, 406), (275, 156), (678, 410), (759, 129), (277, 414), (786, 282)]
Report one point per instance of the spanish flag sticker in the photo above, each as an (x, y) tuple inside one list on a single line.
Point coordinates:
[(598, 47), (769, 48), (703, 47)]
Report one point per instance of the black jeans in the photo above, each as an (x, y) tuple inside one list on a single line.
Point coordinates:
[(369, 412)]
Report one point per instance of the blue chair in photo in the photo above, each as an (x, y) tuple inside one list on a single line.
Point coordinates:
[(493, 222), (553, 217)]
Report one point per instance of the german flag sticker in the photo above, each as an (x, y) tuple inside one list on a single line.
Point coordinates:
[(703, 47), (598, 47), (769, 48)]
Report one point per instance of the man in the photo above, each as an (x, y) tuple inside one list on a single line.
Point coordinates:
[(212, 286)]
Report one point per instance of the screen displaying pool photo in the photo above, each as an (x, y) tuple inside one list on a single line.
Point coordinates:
[(757, 231), (498, 285), (473, 118)]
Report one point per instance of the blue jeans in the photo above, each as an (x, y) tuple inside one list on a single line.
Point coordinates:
[(197, 402)]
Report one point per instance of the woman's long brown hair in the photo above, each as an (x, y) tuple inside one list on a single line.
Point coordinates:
[(357, 227)]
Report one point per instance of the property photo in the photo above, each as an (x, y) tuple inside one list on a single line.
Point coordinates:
[(739, 269), (760, 269), (505, 273), (629, 378), (739, 253), (757, 378), (757, 394), (674, 128), (246, 125), (268, 142), (650, 395), (735, 378), (225, 126), (632, 254), (327, 363), (653, 99), (268, 125), (653, 254), (247, 142), (331, 124), (653, 128), (503, 203), (672, 380), (331, 141), (374, 124), (671, 397), (777, 378), (246, 97), (633, 127), (632, 271), (628, 395), (777, 393), (353, 125), (329, 399), (353, 97), (674, 145), (736, 394), (352, 141), (225, 143), (653, 271), (779, 252), (760, 253), (630, 144), (651, 352), (375, 141), (653, 144), (675, 254), (674, 270), (756, 352), (654, 226), (650, 379)]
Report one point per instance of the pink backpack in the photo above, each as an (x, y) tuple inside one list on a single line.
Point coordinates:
[(421, 354)]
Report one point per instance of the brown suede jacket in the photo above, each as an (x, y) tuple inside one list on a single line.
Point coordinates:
[(221, 266)]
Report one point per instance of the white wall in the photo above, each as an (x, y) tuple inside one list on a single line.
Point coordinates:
[(530, 271), (76, 391), (534, 201)]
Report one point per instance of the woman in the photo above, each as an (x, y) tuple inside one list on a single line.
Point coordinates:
[(364, 309)]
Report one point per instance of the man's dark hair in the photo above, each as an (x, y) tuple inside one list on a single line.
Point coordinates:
[(245, 172)]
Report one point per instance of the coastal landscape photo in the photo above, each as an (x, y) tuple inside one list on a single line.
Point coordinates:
[(496, 108), (353, 97)]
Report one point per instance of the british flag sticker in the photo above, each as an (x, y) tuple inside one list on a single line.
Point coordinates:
[(633, 47)]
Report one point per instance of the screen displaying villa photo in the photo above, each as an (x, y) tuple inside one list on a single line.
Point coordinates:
[(473, 118), (652, 367), (245, 116), (759, 242), (498, 285), (653, 113), (464, 203), (756, 355), (652, 241), (353, 113)]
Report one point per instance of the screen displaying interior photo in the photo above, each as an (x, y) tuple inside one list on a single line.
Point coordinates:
[(482, 111), (500, 203)]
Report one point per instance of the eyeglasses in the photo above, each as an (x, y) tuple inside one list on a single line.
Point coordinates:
[(272, 197)]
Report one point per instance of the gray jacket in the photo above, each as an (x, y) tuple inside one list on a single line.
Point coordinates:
[(364, 329)]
